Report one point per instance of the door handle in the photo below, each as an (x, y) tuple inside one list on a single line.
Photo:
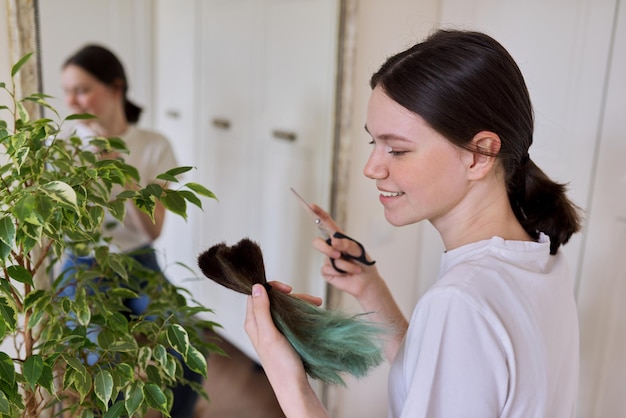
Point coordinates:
[(286, 135), (221, 123)]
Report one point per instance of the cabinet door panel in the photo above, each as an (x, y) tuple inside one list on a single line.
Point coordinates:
[(268, 73), (297, 98)]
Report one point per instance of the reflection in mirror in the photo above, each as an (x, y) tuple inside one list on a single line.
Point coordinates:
[(245, 92)]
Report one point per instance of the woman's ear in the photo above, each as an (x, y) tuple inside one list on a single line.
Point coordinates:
[(118, 86), (486, 146)]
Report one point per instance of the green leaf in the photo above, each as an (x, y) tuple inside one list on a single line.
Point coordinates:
[(33, 367), (82, 382), (117, 144), (118, 209), (117, 410), (80, 116), (125, 371), (103, 386), (122, 292), (167, 177), (83, 313), (170, 367), (7, 231), (191, 197), (196, 361), (20, 63), (5, 250), (21, 156), (21, 111), (154, 189), (174, 202), (24, 210), (33, 297), (8, 312), (178, 338), (134, 398), (4, 404), (117, 266), (61, 192), (160, 354), (143, 359), (20, 274), (76, 365), (46, 380), (201, 190), (122, 346), (44, 206), (178, 170), (7, 369), (155, 398)]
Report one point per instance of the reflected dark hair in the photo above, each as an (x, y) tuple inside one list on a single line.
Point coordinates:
[(108, 69), (464, 82)]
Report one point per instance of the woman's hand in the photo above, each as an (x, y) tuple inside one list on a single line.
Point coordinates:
[(361, 281), (280, 361), (357, 276)]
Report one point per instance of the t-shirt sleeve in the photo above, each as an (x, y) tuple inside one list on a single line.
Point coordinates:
[(454, 361)]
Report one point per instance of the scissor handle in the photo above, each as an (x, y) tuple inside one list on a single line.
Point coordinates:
[(360, 258)]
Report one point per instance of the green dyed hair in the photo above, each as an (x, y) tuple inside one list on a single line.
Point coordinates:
[(328, 342)]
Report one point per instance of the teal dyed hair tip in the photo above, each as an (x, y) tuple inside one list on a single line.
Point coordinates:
[(329, 343)]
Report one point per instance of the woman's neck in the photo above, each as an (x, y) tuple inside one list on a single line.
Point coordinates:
[(481, 217)]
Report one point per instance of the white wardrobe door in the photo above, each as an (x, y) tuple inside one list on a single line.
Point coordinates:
[(603, 280)]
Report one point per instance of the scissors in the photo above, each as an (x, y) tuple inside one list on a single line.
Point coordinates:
[(327, 232)]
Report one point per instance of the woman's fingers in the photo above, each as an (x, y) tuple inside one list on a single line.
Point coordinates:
[(313, 300), (280, 286), (258, 321), (285, 288)]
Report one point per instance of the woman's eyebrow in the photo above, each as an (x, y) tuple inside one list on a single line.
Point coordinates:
[(388, 137)]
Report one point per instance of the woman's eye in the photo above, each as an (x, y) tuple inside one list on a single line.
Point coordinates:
[(393, 152)]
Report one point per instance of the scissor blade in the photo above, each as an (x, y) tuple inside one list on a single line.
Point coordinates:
[(318, 222), (305, 204)]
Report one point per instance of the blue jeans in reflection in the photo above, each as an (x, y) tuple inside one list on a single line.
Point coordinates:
[(184, 396)]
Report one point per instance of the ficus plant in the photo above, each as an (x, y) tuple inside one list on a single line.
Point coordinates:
[(54, 193)]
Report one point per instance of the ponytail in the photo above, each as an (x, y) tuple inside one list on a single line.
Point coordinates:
[(132, 111), (541, 205)]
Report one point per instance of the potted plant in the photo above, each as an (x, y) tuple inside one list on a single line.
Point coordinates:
[(54, 192)]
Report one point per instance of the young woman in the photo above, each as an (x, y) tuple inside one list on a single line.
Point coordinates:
[(451, 123), (94, 82)]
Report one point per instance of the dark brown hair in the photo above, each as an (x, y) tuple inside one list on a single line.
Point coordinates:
[(464, 82), (107, 68), (328, 342)]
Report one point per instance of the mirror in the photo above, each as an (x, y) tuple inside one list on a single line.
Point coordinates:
[(245, 91)]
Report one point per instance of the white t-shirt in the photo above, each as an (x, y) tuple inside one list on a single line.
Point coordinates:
[(151, 154), (495, 336)]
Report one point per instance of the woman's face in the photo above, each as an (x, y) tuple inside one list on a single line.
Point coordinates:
[(419, 173), (86, 94)]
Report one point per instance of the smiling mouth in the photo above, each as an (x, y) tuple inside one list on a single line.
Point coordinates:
[(388, 194)]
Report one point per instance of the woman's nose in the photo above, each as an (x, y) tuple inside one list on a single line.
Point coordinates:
[(374, 168)]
